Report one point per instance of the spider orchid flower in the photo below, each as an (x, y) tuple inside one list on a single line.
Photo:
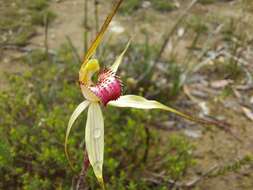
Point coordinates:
[(106, 92)]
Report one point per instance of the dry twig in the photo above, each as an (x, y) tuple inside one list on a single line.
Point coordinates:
[(81, 183)]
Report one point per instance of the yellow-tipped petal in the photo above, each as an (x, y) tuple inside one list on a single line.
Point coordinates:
[(118, 61), (80, 108), (101, 33), (94, 139), (139, 102)]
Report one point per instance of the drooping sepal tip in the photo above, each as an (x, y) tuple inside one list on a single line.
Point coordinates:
[(101, 182)]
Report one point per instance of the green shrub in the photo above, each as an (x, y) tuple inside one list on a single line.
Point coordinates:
[(130, 6), (37, 4), (206, 2), (39, 18), (164, 5), (23, 36)]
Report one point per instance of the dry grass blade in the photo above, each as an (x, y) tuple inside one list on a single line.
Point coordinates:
[(100, 35)]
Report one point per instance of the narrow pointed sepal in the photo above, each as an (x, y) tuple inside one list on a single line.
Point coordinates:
[(80, 108), (101, 33), (118, 61), (139, 102), (94, 139)]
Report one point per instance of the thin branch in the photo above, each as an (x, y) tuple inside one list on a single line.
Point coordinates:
[(197, 180), (96, 3), (46, 22), (81, 183), (25, 49), (86, 28), (174, 29), (174, 184), (74, 50), (147, 141)]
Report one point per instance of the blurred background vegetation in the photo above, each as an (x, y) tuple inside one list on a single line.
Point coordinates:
[(193, 55)]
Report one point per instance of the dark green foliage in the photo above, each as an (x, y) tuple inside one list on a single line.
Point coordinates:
[(37, 4), (174, 75), (206, 2), (131, 6), (163, 5), (23, 35), (40, 18), (197, 24)]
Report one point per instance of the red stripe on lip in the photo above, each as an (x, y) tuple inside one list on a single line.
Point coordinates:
[(108, 88)]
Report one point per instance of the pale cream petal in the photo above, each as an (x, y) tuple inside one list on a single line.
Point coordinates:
[(118, 61), (88, 94), (80, 108), (94, 139), (139, 102)]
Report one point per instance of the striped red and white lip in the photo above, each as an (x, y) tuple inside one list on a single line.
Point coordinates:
[(108, 88)]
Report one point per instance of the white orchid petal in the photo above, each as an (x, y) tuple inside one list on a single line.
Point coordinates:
[(88, 94), (94, 139), (118, 61), (80, 108), (139, 102)]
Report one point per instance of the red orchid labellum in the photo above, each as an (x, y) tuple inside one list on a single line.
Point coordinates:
[(108, 88)]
